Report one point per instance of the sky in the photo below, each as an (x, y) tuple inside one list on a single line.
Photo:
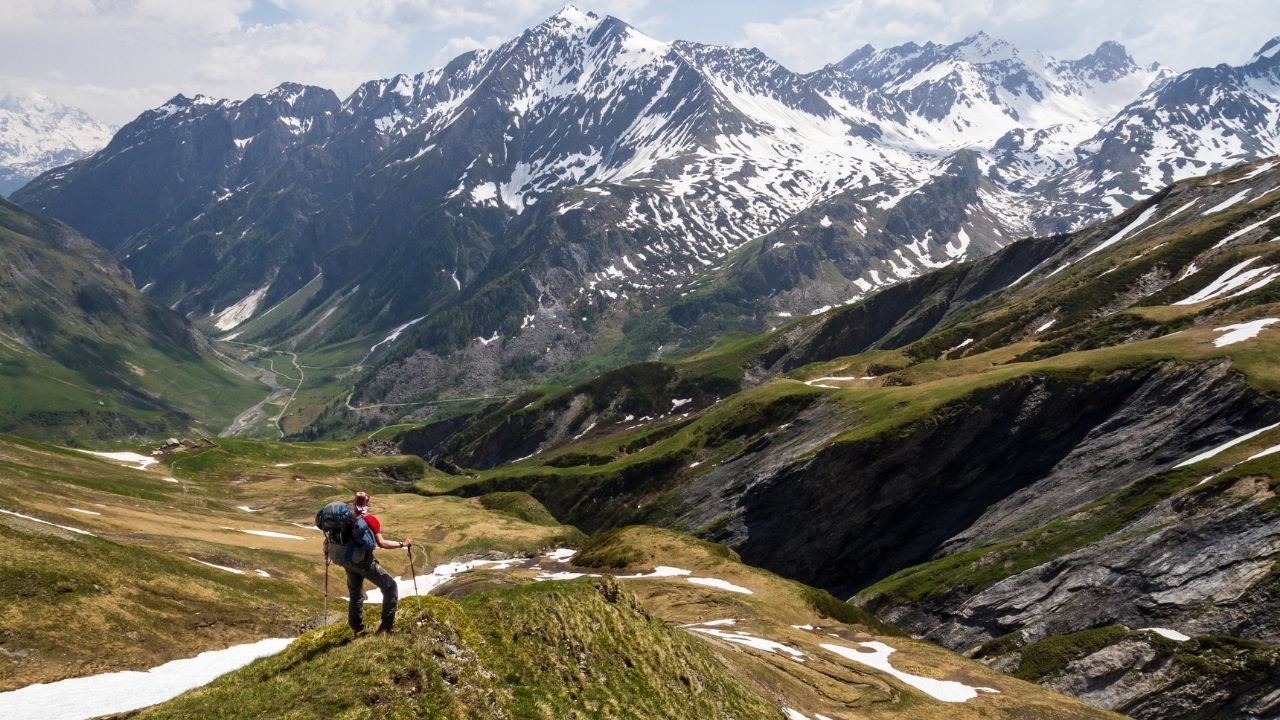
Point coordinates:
[(116, 58)]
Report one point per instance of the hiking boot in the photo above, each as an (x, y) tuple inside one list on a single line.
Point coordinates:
[(386, 630), (359, 632)]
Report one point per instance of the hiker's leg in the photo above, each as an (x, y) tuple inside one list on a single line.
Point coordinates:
[(355, 606), (390, 592)]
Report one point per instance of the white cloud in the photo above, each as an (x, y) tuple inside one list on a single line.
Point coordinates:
[(1179, 33), (455, 46), (115, 58)]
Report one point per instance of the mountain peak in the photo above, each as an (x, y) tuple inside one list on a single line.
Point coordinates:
[(1269, 50), (857, 56), (19, 102), (1109, 51), (982, 48), (36, 104), (571, 15), (1108, 62)]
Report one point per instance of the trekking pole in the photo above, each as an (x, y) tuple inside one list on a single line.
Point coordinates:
[(412, 572), (326, 589)]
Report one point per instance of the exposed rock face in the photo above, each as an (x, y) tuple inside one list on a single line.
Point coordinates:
[(1145, 678), (1010, 451), (1200, 563)]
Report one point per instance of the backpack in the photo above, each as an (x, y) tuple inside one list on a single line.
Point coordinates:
[(362, 541), (337, 522), (363, 536)]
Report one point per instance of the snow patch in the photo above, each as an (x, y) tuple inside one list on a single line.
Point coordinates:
[(1171, 634), (588, 429), (944, 690), (68, 528), (1225, 446), (132, 459), (720, 584), (242, 310), (1261, 168), (662, 571), (1269, 451), (1234, 199), (273, 534), (793, 714), (1242, 331), (224, 568), (1235, 277), (391, 337), (434, 579), (1125, 232), (751, 641), (1242, 231)]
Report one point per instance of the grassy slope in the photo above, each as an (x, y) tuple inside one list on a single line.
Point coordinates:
[(489, 658), (609, 649), (84, 356), (137, 576), (543, 650)]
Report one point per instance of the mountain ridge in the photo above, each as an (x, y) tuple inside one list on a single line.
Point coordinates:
[(581, 175)]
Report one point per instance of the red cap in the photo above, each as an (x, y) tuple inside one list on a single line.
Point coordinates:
[(362, 501)]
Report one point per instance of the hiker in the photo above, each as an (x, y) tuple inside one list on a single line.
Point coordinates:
[(357, 559)]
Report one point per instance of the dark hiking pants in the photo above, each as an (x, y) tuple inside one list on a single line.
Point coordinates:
[(370, 570)]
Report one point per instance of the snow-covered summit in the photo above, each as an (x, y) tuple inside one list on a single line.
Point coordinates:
[(982, 48), (974, 92), (572, 17), (1108, 63), (38, 134)]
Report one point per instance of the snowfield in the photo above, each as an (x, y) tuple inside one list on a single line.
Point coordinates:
[(118, 692)]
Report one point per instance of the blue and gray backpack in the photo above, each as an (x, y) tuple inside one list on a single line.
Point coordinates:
[(337, 521), (342, 526)]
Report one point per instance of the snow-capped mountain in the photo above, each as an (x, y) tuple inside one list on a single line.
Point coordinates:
[(584, 172), (973, 92), (1192, 124), (37, 134)]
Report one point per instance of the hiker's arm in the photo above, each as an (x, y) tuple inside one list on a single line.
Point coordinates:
[(386, 544)]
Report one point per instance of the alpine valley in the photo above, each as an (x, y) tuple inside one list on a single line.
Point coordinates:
[(584, 195), (941, 382)]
